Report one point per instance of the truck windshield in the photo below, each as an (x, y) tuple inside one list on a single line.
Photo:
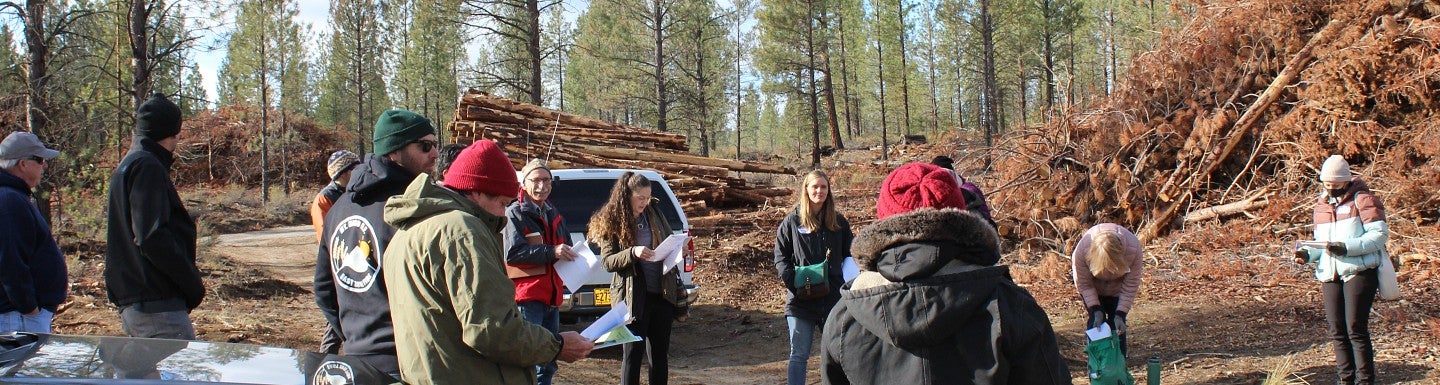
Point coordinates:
[(578, 199)]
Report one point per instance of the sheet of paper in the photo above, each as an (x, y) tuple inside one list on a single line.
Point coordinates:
[(671, 251), (1314, 244), (615, 317), (618, 335), (575, 273), (1099, 332), (848, 269)]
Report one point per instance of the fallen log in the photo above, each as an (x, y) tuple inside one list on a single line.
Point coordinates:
[(1258, 200)]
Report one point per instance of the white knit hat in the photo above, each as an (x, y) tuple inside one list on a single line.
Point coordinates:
[(1335, 169)]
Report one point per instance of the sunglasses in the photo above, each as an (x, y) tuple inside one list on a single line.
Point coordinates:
[(427, 145), (38, 159)]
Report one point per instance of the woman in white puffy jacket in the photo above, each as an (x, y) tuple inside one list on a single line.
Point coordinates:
[(1351, 221)]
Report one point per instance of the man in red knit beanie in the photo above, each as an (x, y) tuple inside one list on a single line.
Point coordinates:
[(451, 303)]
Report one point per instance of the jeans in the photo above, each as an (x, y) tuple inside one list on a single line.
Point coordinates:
[(1347, 313), (16, 322), (652, 323), (547, 316), (141, 320), (802, 337)]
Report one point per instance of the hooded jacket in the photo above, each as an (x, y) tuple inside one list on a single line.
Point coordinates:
[(32, 268), (921, 314), (1355, 218), (349, 286), (534, 265), (150, 248), (454, 309), (1125, 286), (794, 244)]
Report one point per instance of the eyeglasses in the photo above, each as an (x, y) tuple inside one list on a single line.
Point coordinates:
[(38, 159), (427, 145)]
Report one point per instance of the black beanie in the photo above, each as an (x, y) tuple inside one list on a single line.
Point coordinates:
[(158, 118)]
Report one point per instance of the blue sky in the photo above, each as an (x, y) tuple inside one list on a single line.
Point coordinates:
[(313, 12)]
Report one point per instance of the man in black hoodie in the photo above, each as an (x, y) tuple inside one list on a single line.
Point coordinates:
[(150, 254), (349, 286)]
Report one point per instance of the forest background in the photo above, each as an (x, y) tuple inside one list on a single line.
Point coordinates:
[(742, 78)]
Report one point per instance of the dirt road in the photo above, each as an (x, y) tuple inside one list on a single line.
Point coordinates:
[(1210, 331)]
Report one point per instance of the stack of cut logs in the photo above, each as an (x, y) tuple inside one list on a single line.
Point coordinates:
[(528, 131)]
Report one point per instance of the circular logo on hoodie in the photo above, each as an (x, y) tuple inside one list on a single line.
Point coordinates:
[(355, 254), (334, 373)]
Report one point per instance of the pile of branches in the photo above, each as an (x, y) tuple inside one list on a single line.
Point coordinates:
[(222, 146), (1233, 113), (528, 131)]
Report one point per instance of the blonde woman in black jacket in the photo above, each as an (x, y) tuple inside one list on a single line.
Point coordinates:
[(813, 233)]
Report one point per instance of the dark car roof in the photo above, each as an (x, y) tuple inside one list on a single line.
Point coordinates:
[(27, 358)]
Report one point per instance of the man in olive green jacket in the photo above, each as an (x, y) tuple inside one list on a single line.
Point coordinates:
[(451, 303)]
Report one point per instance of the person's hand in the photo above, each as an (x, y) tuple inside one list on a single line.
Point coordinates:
[(642, 253), (575, 347), (1120, 322), (1336, 249), (563, 251), (1302, 256), (1097, 317)]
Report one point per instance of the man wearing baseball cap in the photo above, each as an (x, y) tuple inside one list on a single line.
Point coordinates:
[(535, 239), (455, 315), (338, 168), (150, 270), (349, 282), (33, 280)]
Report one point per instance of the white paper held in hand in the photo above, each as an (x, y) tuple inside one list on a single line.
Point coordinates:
[(671, 250), (610, 329), (849, 270), (1099, 332), (575, 273)]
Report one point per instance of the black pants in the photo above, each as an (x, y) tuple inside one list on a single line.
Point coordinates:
[(1111, 305), (653, 325), (1347, 312)]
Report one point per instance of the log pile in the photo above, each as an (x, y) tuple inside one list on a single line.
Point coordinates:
[(528, 131)]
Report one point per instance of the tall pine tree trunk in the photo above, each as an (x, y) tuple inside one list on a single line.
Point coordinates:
[(532, 47), (991, 95), (662, 102), (814, 93), (140, 51), (884, 129), (37, 104), (904, 71)]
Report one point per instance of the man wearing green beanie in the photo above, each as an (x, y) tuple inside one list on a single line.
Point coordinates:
[(349, 286)]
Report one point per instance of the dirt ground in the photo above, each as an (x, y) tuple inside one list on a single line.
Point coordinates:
[(1208, 328)]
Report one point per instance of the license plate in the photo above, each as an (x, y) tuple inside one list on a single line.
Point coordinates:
[(602, 297)]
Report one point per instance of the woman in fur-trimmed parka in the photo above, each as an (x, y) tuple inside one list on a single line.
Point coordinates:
[(931, 307), (1351, 221)]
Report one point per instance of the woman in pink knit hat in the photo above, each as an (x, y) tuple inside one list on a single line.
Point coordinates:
[(931, 306)]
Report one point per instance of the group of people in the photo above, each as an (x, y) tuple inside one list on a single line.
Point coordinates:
[(931, 306), (449, 276), (468, 290)]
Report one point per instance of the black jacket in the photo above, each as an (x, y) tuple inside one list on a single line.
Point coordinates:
[(809, 247), (921, 315), (150, 253), (32, 269), (349, 286)]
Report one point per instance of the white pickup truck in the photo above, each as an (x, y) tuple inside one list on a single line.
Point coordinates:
[(578, 194)]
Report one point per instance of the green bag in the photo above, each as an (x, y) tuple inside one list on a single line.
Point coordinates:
[(1107, 364), (810, 281)]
